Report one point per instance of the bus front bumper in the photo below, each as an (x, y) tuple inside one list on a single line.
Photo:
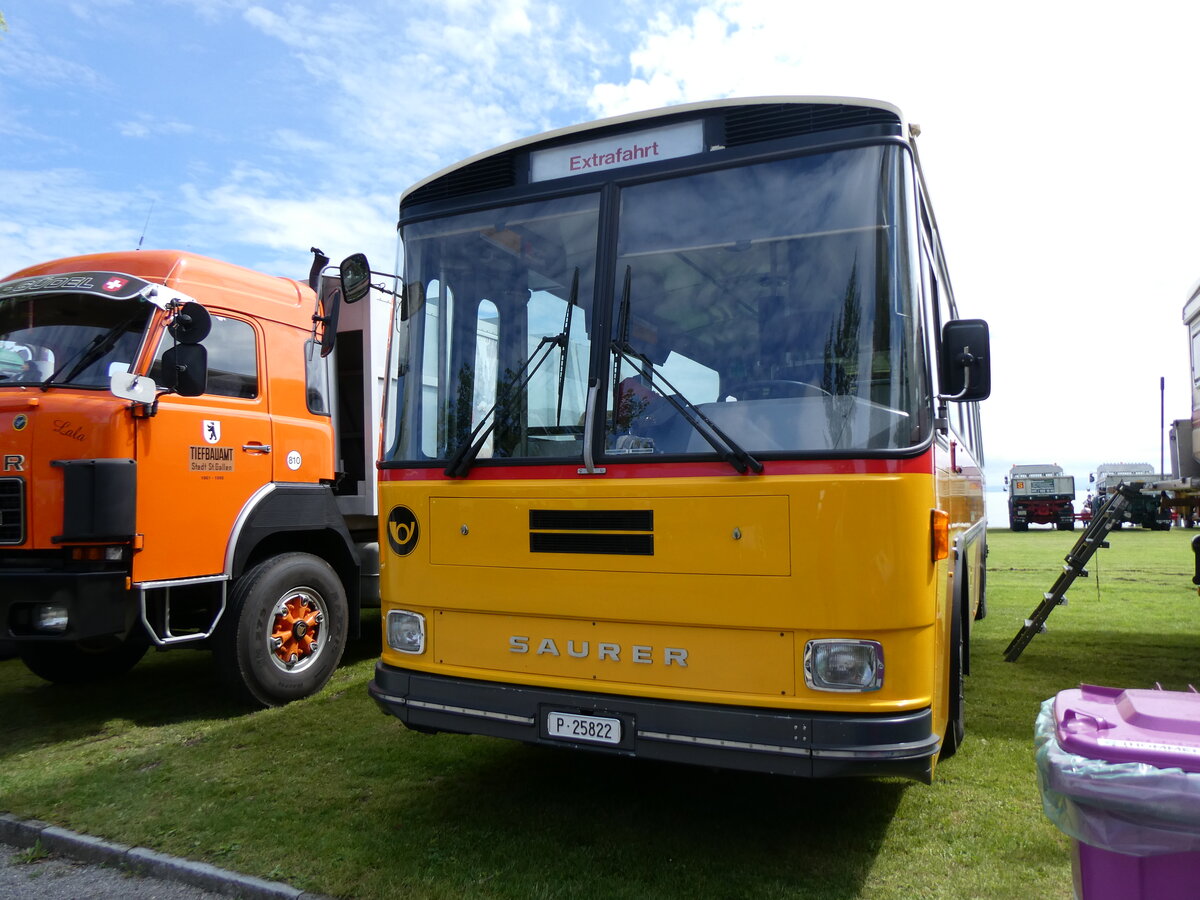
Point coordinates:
[(804, 744)]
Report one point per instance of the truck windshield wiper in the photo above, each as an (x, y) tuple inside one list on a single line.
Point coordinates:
[(733, 453), (465, 455), (98, 346)]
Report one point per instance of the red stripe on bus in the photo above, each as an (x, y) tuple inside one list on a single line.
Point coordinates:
[(915, 465)]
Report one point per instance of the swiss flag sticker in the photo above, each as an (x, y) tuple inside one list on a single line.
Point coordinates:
[(115, 284)]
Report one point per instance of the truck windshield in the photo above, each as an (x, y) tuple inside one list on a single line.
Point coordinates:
[(778, 298), (68, 338)]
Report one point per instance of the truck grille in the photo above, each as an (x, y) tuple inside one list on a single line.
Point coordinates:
[(12, 511)]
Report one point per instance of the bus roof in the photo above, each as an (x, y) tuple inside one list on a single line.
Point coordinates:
[(630, 118)]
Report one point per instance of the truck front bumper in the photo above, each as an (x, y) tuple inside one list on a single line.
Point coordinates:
[(805, 744), (95, 604)]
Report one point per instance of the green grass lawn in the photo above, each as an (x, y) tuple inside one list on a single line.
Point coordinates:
[(333, 796)]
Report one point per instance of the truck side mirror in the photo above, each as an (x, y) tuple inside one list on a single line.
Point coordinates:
[(191, 323), (330, 302), (966, 360), (185, 369), (356, 277)]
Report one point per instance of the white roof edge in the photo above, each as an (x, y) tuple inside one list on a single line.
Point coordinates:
[(1192, 308), (584, 127)]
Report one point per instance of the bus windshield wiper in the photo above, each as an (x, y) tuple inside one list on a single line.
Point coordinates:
[(465, 455), (566, 335), (733, 453)]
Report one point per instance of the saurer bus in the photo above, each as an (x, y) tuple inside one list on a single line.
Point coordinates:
[(686, 458)]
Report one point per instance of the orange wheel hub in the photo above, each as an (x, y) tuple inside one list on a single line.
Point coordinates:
[(296, 630)]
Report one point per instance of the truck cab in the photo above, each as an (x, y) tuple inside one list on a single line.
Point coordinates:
[(1151, 509), (1040, 494), (186, 462)]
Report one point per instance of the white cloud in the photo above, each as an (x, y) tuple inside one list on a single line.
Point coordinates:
[(145, 126), (72, 217)]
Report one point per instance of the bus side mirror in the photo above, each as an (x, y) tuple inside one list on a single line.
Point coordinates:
[(356, 277), (966, 360)]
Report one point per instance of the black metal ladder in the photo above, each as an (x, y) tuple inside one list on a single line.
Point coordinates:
[(1111, 514)]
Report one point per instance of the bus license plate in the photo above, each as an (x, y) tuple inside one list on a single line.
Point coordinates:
[(574, 727)]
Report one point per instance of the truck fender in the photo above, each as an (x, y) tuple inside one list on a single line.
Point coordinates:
[(282, 518)]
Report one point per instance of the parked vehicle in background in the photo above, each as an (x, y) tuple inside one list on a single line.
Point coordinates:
[(186, 463), (1183, 487), (1151, 509), (1040, 495)]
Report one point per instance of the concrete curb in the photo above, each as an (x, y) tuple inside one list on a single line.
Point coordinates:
[(26, 833)]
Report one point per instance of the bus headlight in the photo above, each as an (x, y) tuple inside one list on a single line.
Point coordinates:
[(843, 665), (406, 631)]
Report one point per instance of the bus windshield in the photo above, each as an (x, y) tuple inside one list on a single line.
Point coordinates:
[(776, 299)]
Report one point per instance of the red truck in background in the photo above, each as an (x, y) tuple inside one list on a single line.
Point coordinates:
[(1041, 495)]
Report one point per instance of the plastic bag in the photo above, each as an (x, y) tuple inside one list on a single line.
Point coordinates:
[(1131, 808)]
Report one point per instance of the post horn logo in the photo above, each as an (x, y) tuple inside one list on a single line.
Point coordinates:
[(402, 530)]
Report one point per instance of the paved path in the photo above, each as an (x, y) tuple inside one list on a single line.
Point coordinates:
[(57, 878), (80, 867)]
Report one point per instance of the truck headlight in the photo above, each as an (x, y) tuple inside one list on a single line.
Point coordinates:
[(50, 617), (406, 631), (835, 664)]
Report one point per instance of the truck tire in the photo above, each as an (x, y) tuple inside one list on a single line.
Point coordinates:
[(78, 662), (284, 631)]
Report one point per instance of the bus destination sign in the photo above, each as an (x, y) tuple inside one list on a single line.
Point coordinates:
[(669, 142)]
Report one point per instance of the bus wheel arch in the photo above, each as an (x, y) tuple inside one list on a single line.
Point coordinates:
[(958, 658)]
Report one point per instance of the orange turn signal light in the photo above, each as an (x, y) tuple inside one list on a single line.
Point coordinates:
[(939, 534)]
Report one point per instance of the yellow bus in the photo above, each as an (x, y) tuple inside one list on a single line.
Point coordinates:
[(683, 460)]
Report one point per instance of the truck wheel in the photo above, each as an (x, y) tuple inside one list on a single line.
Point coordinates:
[(284, 631), (82, 661)]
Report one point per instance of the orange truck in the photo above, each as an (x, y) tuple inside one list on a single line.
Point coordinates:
[(188, 461)]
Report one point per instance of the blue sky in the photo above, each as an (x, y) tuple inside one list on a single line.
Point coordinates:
[(1059, 142)]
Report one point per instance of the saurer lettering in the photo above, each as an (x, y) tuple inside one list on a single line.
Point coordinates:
[(604, 650)]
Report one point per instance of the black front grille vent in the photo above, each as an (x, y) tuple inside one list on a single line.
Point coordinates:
[(489, 174), (12, 511), (614, 532), (772, 121)]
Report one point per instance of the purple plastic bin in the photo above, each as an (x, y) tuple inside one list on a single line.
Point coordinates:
[(1117, 770), (1159, 728)]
